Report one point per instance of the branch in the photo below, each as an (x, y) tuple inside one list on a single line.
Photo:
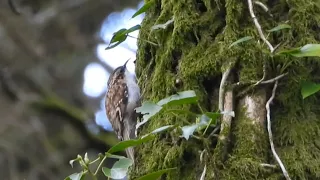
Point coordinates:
[(284, 171), (256, 23), (222, 88), (264, 7), (274, 79)]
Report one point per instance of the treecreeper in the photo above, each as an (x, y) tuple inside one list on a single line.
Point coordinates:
[(122, 97)]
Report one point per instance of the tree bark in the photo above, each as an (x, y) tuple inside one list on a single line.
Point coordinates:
[(195, 50)]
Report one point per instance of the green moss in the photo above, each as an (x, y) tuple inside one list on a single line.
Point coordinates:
[(194, 49), (249, 151)]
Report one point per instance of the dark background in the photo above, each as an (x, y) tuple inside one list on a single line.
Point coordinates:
[(45, 115)]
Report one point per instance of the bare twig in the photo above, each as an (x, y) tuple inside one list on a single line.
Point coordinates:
[(216, 129), (268, 165), (203, 174), (284, 171), (264, 73), (256, 23), (274, 79), (150, 42), (222, 88), (264, 7)]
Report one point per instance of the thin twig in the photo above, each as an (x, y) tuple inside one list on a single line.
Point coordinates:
[(100, 164), (256, 23), (222, 88), (264, 7), (216, 129), (268, 165), (274, 79), (205, 166), (264, 73), (262, 82), (284, 171), (143, 40)]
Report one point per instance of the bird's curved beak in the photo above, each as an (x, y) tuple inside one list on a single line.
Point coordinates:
[(125, 64)]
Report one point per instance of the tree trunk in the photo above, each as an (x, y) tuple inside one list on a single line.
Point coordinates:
[(194, 51)]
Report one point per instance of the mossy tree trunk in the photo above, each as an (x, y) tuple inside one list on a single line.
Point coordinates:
[(194, 52)]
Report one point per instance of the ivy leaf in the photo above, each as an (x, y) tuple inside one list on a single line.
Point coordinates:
[(309, 50), (119, 169), (309, 88), (120, 35), (155, 175), (133, 28), (143, 9), (213, 116), (279, 27), (129, 143), (187, 131), (184, 97), (114, 156), (114, 45), (247, 38), (76, 176), (148, 109)]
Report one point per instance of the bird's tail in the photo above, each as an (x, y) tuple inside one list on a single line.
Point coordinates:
[(129, 133)]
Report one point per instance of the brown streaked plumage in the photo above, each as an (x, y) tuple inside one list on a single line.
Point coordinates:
[(122, 98)]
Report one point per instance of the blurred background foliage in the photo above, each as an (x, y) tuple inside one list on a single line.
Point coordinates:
[(53, 73)]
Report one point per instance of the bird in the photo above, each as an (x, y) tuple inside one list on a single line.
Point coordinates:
[(122, 97)]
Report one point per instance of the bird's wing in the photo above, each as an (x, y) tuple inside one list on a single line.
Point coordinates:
[(117, 98)]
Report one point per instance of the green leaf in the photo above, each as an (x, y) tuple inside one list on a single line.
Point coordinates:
[(143, 9), (247, 38), (148, 109), (187, 131), (184, 97), (76, 176), (309, 88), (289, 52), (213, 119), (114, 156), (213, 116), (155, 175), (119, 170), (280, 27), (133, 28), (118, 36), (204, 119), (121, 35), (114, 45), (129, 143), (309, 50)]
